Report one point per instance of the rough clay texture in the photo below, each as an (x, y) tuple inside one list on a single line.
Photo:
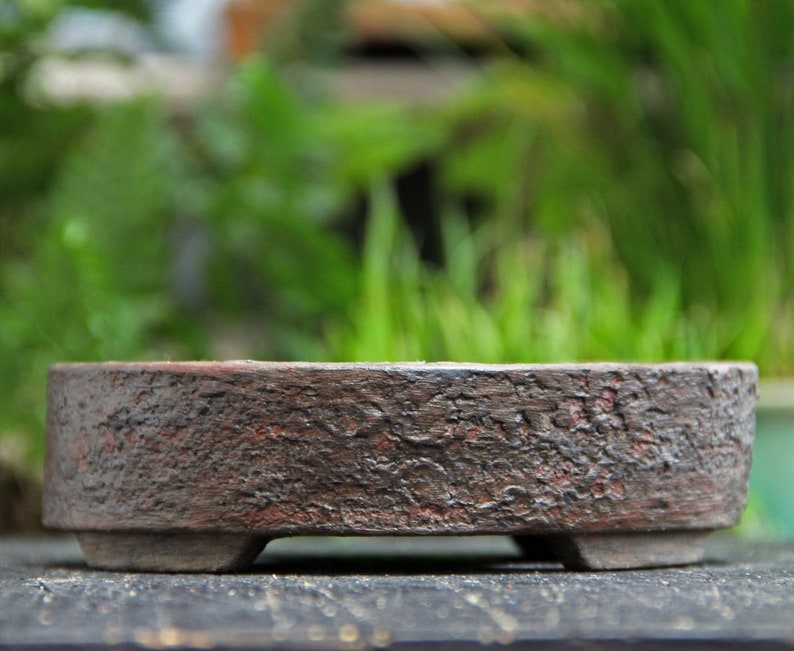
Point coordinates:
[(281, 449)]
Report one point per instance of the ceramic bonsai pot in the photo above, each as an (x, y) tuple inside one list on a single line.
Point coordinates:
[(194, 466)]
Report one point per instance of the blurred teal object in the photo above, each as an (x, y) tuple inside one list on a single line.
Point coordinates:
[(772, 476)]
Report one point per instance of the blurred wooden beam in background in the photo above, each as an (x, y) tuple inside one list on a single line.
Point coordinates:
[(388, 21)]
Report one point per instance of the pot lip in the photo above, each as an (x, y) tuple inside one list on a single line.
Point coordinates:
[(253, 365), (776, 396)]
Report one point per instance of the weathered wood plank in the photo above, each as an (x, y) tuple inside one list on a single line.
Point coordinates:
[(400, 593)]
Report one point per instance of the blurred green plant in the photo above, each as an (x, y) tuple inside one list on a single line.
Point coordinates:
[(504, 297), (35, 135), (33, 138), (636, 173), (92, 287), (277, 173), (54, 289), (270, 206)]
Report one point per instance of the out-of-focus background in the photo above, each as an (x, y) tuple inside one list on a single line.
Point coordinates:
[(492, 181)]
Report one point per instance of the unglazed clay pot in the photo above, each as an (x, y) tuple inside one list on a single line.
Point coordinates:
[(194, 466)]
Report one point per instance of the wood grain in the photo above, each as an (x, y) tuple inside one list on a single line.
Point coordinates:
[(412, 595)]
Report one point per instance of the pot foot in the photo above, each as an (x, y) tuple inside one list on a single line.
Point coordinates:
[(165, 552), (622, 551)]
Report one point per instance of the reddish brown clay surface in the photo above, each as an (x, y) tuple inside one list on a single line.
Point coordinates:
[(277, 449)]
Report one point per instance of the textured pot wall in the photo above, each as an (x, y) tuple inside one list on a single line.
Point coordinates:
[(404, 448)]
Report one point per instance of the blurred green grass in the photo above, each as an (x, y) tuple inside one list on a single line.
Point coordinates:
[(630, 169)]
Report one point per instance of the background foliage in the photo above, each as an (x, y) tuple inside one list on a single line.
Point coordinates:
[(635, 173), (614, 185)]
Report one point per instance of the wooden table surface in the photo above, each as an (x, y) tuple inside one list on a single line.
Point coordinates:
[(370, 593)]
